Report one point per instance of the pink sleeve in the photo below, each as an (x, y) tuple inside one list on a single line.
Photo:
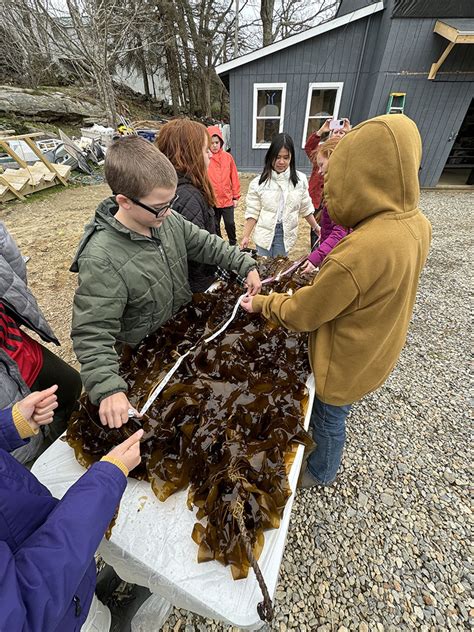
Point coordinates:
[(331, 241)]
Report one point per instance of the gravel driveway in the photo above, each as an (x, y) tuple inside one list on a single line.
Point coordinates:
[(388, 547)]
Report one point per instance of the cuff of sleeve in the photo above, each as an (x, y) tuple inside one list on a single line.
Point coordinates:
[(107, 394), (258, 302), (23, 427), (121, 466), (315, 258)]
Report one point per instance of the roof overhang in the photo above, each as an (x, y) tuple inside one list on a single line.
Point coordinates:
[(330, 25), (456, 32)]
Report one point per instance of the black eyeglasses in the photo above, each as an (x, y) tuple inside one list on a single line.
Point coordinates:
[(158, 211)]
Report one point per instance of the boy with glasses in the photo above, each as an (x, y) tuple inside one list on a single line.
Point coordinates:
[(133, 268)]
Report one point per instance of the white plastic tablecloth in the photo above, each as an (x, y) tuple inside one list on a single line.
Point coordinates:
[(151, 543)]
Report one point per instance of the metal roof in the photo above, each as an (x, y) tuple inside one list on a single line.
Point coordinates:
[(335, 23), (349, 6)]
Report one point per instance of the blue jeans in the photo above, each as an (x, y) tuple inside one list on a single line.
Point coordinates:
[(328, 424), (278, 245)]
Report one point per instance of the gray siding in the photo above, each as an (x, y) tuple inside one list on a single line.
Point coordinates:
[(348, 6), (397, 57), (438, 107), (331, 57), (378, 32), (413, 47), (438, 112)]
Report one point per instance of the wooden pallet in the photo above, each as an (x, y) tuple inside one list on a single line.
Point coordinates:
[(18, 183)]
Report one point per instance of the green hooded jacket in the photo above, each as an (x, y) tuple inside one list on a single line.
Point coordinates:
[(129, 285)]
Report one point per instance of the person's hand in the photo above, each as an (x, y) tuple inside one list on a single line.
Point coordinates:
[(324, 129), (113, 410), (245, 242), (308, 268), (128, 452), (253, 283), (317, 229), (347, 125), (38, 407), (235, 202), (246, 304)]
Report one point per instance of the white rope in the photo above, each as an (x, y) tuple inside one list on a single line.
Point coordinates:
[(177, 364), (227, 323), (175, 367)]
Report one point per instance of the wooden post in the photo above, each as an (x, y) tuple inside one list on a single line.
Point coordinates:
[(437, 65), (16, 193), (43, 159), (12, 154)]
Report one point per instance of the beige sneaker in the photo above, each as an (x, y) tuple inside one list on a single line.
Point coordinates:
[(307, 480)]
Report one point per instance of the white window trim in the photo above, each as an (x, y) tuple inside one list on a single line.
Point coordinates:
[(338, 85), (266, 86)]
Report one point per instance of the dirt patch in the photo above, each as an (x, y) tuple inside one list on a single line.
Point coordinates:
[(48, 227)]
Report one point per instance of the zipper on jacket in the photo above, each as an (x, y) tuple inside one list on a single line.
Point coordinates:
[(77, 606)]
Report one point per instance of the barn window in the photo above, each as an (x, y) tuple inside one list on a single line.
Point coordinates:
[(268, 112), (323, 103)]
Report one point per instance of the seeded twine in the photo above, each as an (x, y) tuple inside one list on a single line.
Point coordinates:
[(264, 608)]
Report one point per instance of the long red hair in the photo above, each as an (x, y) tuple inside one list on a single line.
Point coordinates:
[(323, 149), (182, 142)]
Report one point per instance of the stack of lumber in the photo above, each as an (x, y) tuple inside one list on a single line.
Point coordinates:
[(18, 183)]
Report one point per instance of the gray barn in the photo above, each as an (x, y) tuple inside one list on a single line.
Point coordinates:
[(402, 55)]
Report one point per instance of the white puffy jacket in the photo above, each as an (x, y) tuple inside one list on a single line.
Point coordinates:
[(263, 202)]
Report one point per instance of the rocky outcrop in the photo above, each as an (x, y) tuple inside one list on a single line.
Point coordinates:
[(48, 106)]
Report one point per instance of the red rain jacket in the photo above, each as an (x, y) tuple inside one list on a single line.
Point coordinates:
[(223, 174)]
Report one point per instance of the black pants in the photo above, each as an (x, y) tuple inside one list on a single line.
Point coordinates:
[(56, 371), (227, 214)]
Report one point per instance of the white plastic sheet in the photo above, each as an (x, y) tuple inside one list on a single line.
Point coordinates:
[(151, 544), (98, 619), (151, 615)]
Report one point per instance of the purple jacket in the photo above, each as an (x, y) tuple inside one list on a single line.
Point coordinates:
[(331, 235), (47, 546)]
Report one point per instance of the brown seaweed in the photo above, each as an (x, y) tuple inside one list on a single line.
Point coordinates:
[(226, 423)]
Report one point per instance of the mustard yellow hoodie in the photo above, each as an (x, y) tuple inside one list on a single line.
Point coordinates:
[(359, 306)]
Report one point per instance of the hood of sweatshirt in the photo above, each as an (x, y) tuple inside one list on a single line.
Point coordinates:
[(213, 130), (104, 218), (374, 169)]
